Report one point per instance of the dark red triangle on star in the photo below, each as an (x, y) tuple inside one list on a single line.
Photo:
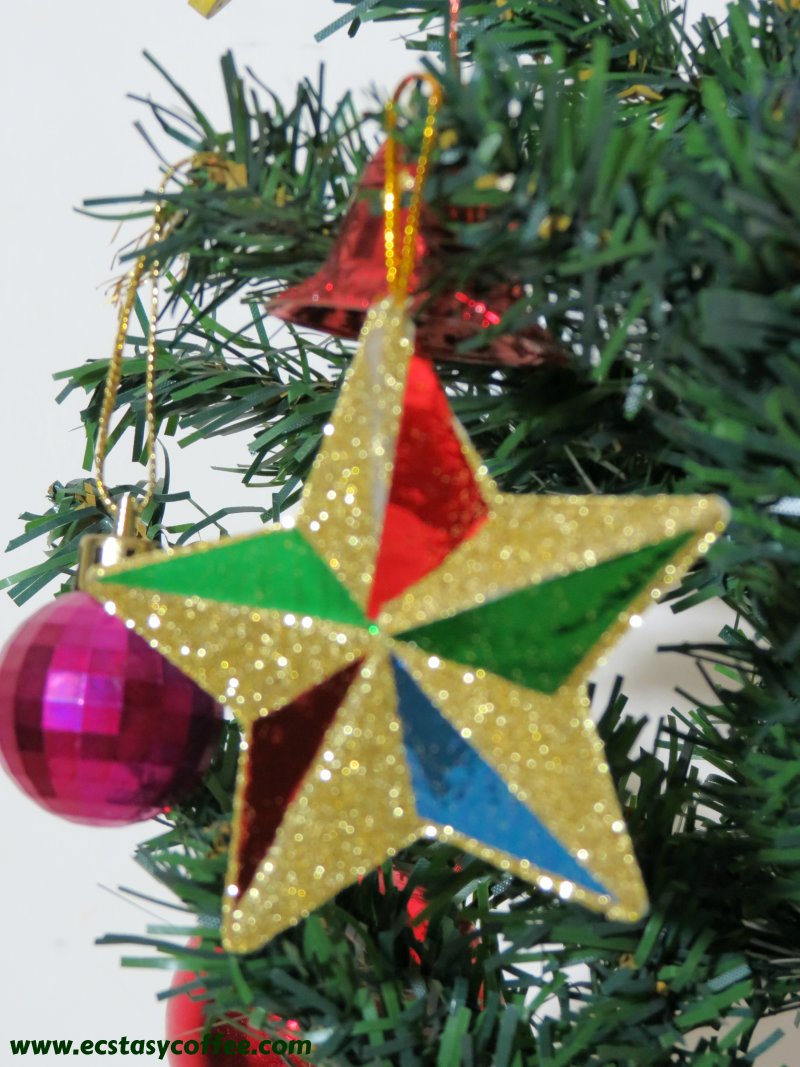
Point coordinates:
[(282, 746), (435, 502)]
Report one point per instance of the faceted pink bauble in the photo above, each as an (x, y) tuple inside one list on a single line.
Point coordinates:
[(94, 724)]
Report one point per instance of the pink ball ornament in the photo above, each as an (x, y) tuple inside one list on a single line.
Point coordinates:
[(95, 725)]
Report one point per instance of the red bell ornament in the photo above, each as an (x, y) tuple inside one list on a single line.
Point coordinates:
[(335, 300)]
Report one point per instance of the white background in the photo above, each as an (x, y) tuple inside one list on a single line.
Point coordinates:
[(67, 132)]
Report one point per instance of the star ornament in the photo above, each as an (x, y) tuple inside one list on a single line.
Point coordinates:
[(408, 659)]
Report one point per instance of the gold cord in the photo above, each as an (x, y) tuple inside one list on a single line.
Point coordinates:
[(401, 249), (114, 375), (455, 11)]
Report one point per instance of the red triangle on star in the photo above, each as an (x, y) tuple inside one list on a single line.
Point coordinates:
[(435, 501), (281, 747)]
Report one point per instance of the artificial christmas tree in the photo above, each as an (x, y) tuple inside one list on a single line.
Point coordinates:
[(641, 185)]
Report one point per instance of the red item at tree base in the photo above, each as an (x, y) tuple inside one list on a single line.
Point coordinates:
[(228, 1044)]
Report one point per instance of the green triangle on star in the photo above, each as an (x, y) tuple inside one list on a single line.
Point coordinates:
[(537, 636), (278, 571)]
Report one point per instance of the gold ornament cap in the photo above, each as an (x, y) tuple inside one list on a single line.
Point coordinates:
[(107, 550)]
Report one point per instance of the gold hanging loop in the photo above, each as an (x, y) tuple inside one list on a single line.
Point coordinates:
[(401, 247), (114, 375)]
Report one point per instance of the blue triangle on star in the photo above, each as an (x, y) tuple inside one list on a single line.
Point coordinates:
[(454, 786)]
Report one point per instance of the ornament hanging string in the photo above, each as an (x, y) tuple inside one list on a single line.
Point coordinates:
[(452, 33), (114, 375), (401, 247)]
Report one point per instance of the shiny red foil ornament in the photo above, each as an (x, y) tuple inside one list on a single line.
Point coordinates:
[(416, 905), (186, 1023), (95, 725), (335, 299)]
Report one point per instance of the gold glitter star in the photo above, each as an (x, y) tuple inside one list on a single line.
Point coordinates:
[(410, 658)]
